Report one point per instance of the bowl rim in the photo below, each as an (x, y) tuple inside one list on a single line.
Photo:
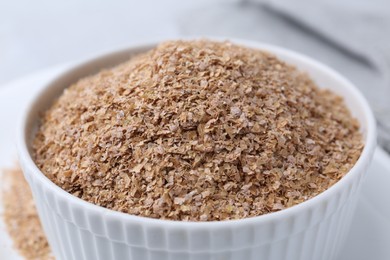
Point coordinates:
[(28, 163)]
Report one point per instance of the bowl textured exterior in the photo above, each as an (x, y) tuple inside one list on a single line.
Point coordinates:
[(314, 229)]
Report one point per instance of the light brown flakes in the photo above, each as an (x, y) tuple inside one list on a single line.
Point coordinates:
[(21, 217), (197, 131)]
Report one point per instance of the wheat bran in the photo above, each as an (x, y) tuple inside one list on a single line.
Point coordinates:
[(21, 217), (197, 131)]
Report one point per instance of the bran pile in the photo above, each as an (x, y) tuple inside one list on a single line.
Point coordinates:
[(21, 217), (197, 131)]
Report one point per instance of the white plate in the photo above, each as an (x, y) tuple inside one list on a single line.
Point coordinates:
[(370, 232)]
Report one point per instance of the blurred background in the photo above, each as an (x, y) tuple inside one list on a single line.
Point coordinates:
[(352, 36)]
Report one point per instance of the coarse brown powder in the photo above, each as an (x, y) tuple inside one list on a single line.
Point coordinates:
[(197, 131), (21, 217)]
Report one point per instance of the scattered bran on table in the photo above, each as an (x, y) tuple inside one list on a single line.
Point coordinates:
[(21, 217), (197, 131)]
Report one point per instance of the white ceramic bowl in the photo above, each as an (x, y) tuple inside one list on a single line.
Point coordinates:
[(315, 229)]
